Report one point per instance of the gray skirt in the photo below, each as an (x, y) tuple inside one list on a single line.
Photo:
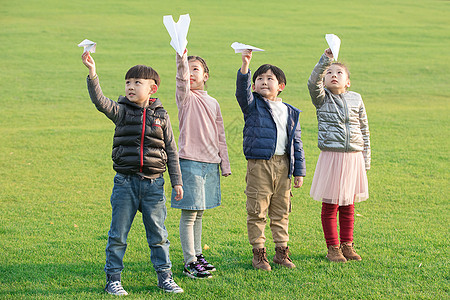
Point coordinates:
[(201, 186)]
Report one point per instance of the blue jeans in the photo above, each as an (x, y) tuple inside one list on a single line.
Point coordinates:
[(130, 194)]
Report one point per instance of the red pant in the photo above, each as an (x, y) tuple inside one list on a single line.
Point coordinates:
[(329, 223)]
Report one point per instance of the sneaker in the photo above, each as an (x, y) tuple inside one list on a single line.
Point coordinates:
[(166, 283), (196, 270), (114, 287), (206, 265)]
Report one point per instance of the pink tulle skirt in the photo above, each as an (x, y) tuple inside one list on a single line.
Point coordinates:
[(340, 178)]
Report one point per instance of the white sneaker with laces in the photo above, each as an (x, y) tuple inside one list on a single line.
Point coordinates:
[(166, 283), (115, 288)]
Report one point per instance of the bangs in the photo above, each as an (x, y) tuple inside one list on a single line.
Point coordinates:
[(143, 72), (279, 74), (202, 62), (343, 66)]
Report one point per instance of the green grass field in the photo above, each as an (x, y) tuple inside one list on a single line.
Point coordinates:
[(55, 162)]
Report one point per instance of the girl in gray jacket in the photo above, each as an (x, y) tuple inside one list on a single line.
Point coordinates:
[(340, 177)]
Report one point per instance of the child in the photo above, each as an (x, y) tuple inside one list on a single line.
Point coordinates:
[(143, 144), (202, 149), (340, 178), (274, 150)]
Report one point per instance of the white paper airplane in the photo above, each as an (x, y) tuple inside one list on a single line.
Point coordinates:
[(89, 46), (178, 32), (239, 48), (335, 43)]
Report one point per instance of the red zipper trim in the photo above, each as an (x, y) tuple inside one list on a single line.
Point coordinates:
[(142, 141)]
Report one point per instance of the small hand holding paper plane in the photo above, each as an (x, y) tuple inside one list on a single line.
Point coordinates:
[(89, 46), (239, 48), (335, 43), (178, 32)]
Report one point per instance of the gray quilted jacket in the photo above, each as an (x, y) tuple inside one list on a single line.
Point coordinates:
[(342, 118)]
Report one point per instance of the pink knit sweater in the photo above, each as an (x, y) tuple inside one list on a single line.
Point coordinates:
[(202, 134)]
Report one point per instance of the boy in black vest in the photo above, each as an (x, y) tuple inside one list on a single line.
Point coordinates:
[(143, 145)]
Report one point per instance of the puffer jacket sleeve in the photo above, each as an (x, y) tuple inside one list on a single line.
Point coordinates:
[(107, 106), (315, 81), (299, 153), (244, 94), (173, 163), (364, 125)]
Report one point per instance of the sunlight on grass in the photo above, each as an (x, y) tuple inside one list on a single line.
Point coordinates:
[(56, 170)]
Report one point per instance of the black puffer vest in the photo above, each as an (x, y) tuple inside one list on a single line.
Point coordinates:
[(138, 144)]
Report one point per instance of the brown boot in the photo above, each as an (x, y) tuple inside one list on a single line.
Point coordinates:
[(282, 257), (349, 252), (259, 260), (335, 254)]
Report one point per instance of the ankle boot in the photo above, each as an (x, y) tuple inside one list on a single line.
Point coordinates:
[(349, 252), (282, 257), (335, 254), (259, 260)]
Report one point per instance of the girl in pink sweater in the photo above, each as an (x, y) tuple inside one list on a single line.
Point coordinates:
[(203, 154)]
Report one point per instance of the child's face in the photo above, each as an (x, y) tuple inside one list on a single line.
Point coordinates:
[(267, 85), (198, 77), (139, 90), (336, 79)]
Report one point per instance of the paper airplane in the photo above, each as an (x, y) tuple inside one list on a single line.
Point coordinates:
[(335, 43), (239, 48), (178, 32), (89, 46)]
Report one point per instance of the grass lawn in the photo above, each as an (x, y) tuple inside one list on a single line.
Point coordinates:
[(56, 170)]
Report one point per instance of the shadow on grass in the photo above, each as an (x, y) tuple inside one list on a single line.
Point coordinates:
[(87, 279), (27, 280), (48, 279)]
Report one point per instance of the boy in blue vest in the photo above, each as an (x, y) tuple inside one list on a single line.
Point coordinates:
[(142, 147), (274, 152)]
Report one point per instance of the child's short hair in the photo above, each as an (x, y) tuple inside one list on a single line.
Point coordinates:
[(143, 72), (201, 60), (279, 74), (342, 65)]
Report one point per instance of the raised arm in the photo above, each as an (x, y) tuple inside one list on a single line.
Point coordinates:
[(182, 79), (107, 106), (244, 94), (246, 58), (315, 81), (89, 62)]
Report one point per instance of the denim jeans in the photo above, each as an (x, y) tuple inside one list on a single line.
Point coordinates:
[(130, 194)]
